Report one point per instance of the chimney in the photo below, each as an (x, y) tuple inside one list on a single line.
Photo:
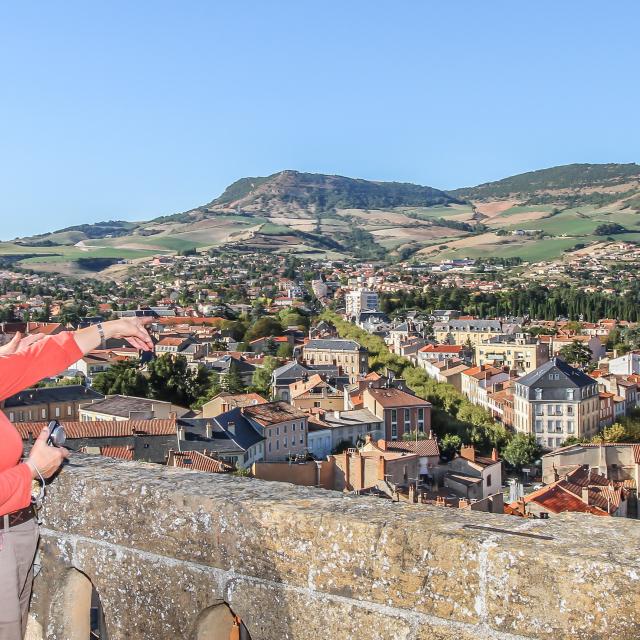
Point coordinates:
[(556, 475), (494, 455), (585, 495), (208, 430), (382, 444), (347, 471), (468, 452), (382, 468), (180, 433)]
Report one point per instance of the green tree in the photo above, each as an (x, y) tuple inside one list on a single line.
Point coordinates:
[(171, 380), (213, 389), (261, 380), (521, 450), (576, 353), (124, 378), (450, 444), (263, 328), (285, 351), (232, 381)]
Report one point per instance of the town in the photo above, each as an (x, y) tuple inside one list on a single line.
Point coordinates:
[(425, 384)]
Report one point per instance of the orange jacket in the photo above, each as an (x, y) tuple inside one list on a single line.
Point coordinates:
[(18, 371)]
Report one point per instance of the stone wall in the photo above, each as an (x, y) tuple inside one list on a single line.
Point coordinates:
[(164, 547)]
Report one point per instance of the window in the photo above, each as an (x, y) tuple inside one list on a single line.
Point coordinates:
[(570, 410), (57, 412), (301, 439), (12, 416), (558, 410), (44, 413), (421, 419), (570, 394), (69, 410), (293, 426), (285, 442), (285, 428), (489, 480), (539, 411), (550, 409), (407, 420), (538, 394), (550, 442), (277, 444), (539, 426), (550, 426), (570, 426), (269, 447), (394, 424), (277, 431)]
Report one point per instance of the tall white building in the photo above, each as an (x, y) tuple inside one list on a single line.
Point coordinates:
[(360, 300)]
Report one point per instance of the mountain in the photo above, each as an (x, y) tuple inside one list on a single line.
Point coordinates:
[(314, 193), (569, 185), (532, 216)]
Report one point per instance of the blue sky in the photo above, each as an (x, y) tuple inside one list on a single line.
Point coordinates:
[(129, 110)]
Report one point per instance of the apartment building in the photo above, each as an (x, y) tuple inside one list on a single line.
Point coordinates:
[(48, 403), (479, 382), (556, 401), (400, 411), (360, 300), (283, 427), (472, 331), (315, 393), (520, 354), (348, 355)]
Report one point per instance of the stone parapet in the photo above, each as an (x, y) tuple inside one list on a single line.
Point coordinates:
[(164, 546)]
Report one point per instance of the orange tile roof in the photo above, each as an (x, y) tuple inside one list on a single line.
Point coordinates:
[(103, 428), (423, 448), (392, 397), (198, 462), (122, 453)]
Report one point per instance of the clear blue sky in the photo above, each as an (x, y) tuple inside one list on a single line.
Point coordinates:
[(129, 110)]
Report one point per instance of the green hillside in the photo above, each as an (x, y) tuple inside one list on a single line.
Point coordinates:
[(582, 183)]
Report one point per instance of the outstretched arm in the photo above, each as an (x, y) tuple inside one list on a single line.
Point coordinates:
[(53, 354)]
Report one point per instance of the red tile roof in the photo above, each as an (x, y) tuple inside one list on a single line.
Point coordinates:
[(198, 462), (103, 428), (392, 397), (122, 453), (423, 448)]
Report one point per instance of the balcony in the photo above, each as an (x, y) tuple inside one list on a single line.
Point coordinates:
[(176, 554)]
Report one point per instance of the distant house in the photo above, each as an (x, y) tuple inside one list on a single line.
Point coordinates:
[(473, 476), (400, 411), (332, 428), (196, 461), (556, 401), (119, 407), (48, 403), (283, 427), (348, 355), (427, 450), (315, 393), (225, 401), (582, 490)]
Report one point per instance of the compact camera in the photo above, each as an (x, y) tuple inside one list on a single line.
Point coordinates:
[(57, 436)]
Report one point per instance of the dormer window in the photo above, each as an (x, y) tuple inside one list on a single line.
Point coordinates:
[(538, 393), (569, 394)]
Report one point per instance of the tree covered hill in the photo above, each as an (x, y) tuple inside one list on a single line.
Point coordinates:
[(318, 193), (568, 184)]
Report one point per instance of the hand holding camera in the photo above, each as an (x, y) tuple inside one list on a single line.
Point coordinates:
[(47, 453)]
